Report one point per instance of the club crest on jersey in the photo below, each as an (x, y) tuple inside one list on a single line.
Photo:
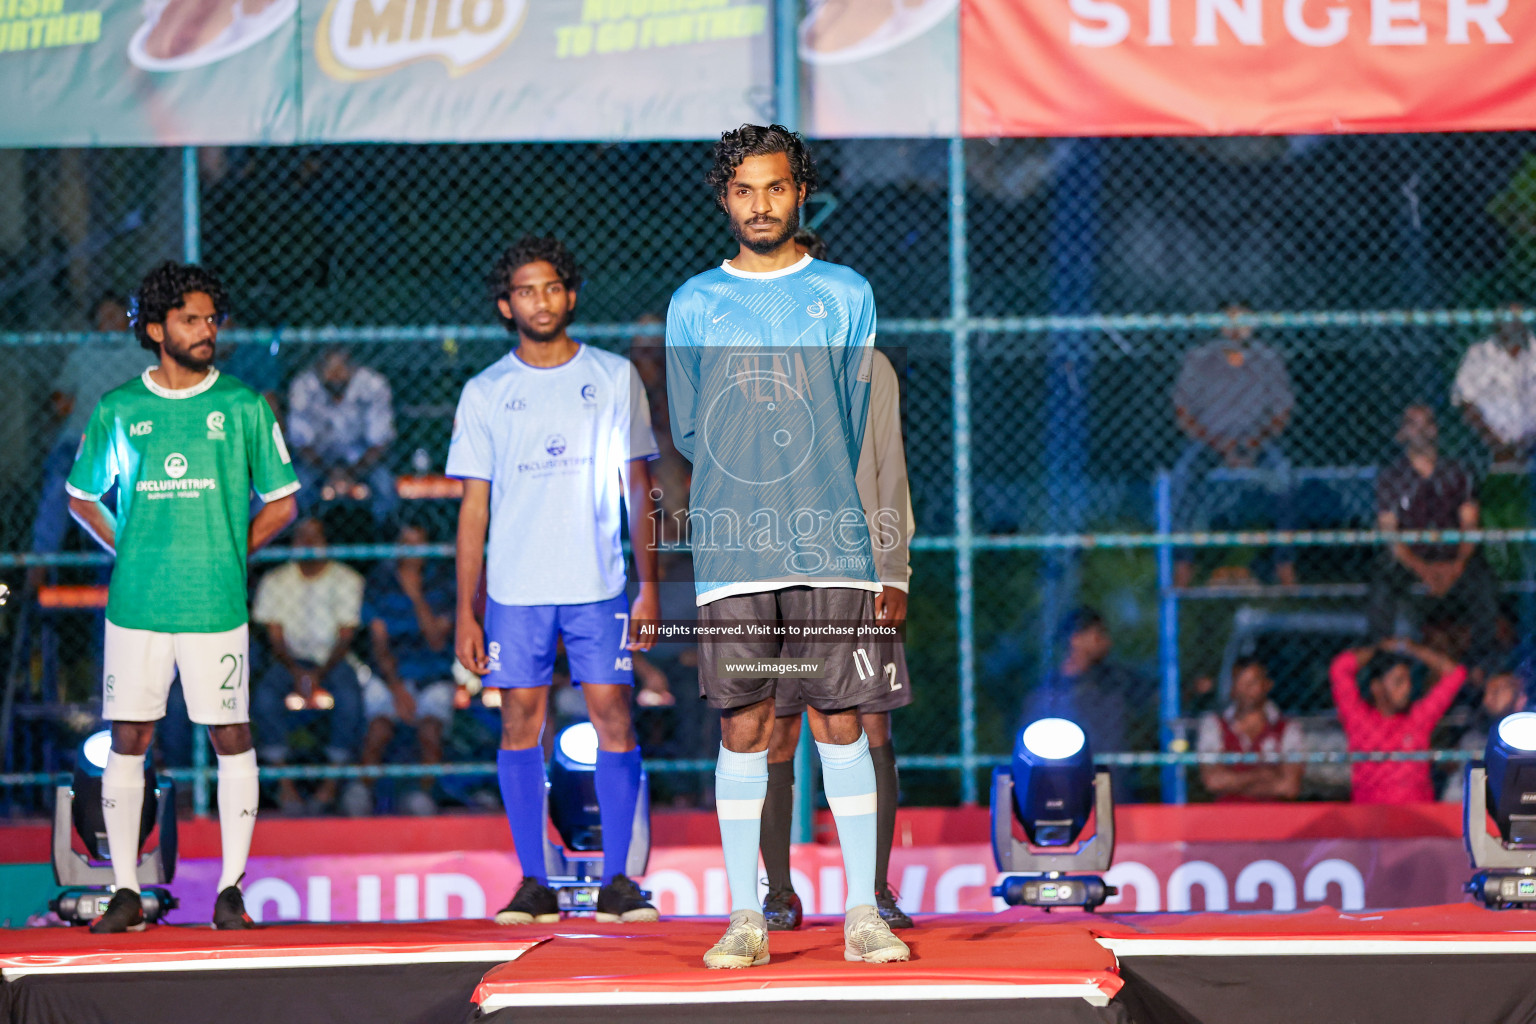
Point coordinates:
[(817, 310), (215, 426), (141, 428), (589, 393)]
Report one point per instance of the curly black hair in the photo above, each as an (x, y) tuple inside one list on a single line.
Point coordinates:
[(526, 250), (757, 140), (165, 288)]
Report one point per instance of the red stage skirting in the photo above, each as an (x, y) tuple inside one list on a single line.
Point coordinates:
[(1437, 964)]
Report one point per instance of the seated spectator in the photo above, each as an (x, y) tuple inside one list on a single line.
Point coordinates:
[(341, 422), (1496, 387), (1090, 688), (311, 611), (1423, 490), (1389, 718), (1505, 692), (89, 372), (409, 612), (1251, 724), (1233, 399)]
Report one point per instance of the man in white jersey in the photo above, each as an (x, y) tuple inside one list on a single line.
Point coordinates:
[(549, 441), (184, 446)]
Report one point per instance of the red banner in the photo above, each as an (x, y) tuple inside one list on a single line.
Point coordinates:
[(1234, 67)]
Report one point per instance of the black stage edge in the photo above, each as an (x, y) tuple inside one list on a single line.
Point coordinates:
[(392, 994), (940, 1011), (1463, 988)]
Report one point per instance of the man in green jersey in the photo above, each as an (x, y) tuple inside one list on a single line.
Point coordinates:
[(184, 446)]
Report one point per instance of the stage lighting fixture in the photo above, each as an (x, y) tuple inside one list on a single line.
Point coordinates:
[(1503, 787), (1051, 791), (77, 811), (576, 870)]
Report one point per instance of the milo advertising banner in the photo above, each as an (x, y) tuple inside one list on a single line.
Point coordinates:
[(165, 72), (207, 72), (468, 70)]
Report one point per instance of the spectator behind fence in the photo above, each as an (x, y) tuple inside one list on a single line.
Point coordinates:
[(311, 610), (1506, 691), (408, 607), (341, 422), (1090, 688), (1391, 719), (1425, 491), (89, 372), (1251, 724), (1496, 387), (1233, 399)]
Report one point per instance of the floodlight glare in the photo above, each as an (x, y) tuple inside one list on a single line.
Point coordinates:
[(94, 750), (579, 743), (1053, 738), (1518, 731)]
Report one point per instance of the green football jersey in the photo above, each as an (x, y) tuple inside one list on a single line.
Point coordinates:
[(184, 463)]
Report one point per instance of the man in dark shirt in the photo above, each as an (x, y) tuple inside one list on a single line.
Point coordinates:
[(408, 609), (1091, 689), (1233, 399), (1425, 491)]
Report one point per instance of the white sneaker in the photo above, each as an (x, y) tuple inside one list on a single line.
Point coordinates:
[(744, 944), (867, 937), (418, 802)]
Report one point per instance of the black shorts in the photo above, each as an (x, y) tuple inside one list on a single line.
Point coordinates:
[(895, 691), (850, 675)]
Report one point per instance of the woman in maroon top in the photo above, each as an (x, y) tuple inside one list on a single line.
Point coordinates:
[(1392, 720)]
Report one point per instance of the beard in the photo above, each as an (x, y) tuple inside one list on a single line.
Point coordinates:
[(764, 245), (532, 333), (185, 358)]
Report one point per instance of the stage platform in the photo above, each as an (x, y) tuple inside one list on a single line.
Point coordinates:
[(1436, 964)]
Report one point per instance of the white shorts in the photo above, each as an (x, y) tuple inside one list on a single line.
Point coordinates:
[(139, 665), (433, 700)]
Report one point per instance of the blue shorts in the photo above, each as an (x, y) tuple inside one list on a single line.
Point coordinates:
[(520, 641)]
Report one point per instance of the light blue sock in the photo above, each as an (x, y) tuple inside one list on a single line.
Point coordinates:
[(741, 784), (848, 776)]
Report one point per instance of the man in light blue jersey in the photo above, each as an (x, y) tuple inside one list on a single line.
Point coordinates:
[(549, 441), (768, 370)]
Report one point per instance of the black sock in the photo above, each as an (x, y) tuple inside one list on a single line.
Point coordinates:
[(886, 789), (778, 815)]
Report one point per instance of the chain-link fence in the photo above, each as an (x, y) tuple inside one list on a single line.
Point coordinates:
[(1113, 353)]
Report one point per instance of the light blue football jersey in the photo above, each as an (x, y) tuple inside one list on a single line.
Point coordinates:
[(768, 391), (555, 443)]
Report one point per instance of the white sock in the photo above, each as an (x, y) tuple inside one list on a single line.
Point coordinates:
[(238, 797), (122, 807)]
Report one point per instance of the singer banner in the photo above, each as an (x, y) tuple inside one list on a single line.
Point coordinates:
[(1229, 67)]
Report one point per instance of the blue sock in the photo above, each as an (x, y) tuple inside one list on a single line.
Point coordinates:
[(618, 790), (521, 774), (741, 785), (848, 776)]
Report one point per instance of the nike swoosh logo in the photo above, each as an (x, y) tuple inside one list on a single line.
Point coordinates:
[(717, 319)]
